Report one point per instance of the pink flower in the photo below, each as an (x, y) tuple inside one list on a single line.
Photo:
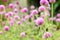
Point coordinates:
[(22, 34), (39, 21), (47, 35), (23, 20), (52, 1), (5, 0), (1, 32), (2, 7), (16, 10), (6, 28), (17, 2), (32, 7), (6, 15), (10, 13), (3, 12), (58, 20), (58, 15), (20, 7), (19, 22), (41, 8), (54, 18), (51, 19), (11, 5), (26, 17), (16, 17), (44, 2), (24, 10), (34, 12), (11, 22)]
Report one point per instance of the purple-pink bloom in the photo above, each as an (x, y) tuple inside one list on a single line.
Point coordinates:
[(6, 15), (58, 20), (32, 7), (52, 1), (24, 10), (6, 28), (51, 19), (34, 12), (44, 2), (15, 10), (2, 7), (11, 22), (17, 2), (22, 34), (58, 15), (41, 8), (16, 17), (19, 22), (11, 5), (1, 32), (26, 17), (39, 21), (10, 13), (47, 35)]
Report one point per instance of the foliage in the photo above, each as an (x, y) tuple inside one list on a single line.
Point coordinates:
[(5, 3)]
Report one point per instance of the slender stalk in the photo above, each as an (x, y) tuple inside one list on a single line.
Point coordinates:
[(52, 11), (1, 20)]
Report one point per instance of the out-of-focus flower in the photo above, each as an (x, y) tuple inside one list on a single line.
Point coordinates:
[(51, 19), (2, 12), (1, 32), (10, 13), (58, 20), (58, 15), (20, 7), (6, 28), (24, 10), (47, 35), (2, 7), (34, 12), (19, 22), (22, 34), (41, 8), (6, 15), (11, 22), (32, 7), (16, 10), (17, 3), (11, 5), (39, 21), (5, 0), (26, 17), (44, 2), (16, 17), (52, 1)]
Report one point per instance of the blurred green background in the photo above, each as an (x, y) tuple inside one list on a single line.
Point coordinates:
[(5, 3)]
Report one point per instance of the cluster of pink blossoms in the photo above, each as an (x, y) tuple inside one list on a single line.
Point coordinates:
[(13, 16)]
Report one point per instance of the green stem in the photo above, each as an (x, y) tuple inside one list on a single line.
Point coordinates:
[(0, 20), (45, 21), (52, 11)]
